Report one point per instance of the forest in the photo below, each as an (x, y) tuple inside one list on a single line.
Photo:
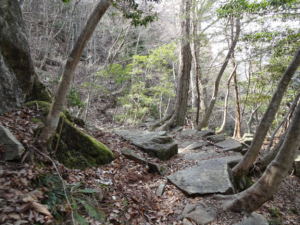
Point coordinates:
[(150, 112)]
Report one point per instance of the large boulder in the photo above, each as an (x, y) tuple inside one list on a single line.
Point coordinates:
[(75, 148), (210, 176), (16, 68), (155, 144), (13, 149)]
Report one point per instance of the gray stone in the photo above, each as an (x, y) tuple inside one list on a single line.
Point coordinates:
[(184, 144), (149, 120), (153, 167), (187, 209), (205, 133), (186, 222), (297, 163), (155, 144), (176, 129), (230, 145), (216, 138), (13, 148), (189, 132), (231, 160), (244, 151), (209, 176), (202, 215), (151, 123), (201, 155), (160, 189), (247, 141), (196, 145), (254, 219)]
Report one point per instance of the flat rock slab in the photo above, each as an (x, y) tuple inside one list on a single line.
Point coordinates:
[(208, 177), (196, 145), (205, 133), (176, 129), (160, 189), (184, 144), (232, 160), (13, 148), (216, 138), (153, 167), (202, 215), (155, 144), (201, 155), (254, 219), (189, 132), (230, 145)]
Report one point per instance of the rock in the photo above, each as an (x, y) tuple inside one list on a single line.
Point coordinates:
[(153, 167), (189, 132), (130, 154), (176, 129), (201, 155), (151, 123), (216, 138), (13, 148), (186, 222), (196, 145), (254, 219), (205, 133), (244, 151), (16, 66), (78, 121), (187, 209), (231, 160), (75, 149), (230, 145), (155, 144), (202, 215), (209, 176), (160, 189), (297, 163), (247, 141), (184, 144)]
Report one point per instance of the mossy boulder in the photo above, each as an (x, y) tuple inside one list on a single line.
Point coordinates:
[(75, 148)]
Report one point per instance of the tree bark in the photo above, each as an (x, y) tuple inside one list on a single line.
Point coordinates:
[(69, 70), (183, 82), (243, 166), (222, 128), (205, 120), (254, 197)]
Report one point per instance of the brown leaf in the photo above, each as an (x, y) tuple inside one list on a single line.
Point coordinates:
[(41, 208)]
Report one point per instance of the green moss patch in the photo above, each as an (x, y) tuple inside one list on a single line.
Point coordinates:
[(242, 182), (75, 148)]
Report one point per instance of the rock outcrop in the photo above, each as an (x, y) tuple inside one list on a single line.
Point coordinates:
[(155, 144)]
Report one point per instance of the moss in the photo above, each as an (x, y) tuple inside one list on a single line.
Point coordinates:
[(242, 182), (36, 120), (274, 212), (79, 150), (75, 149), (40, 91), (294, 210)]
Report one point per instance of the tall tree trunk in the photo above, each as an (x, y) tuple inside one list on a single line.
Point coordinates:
[(205, 120), (183, 82), (222, 128), (69, 70), (237, 129), (249, 122), (254, 197), (243, 166)]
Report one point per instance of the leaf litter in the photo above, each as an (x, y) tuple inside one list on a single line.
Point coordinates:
[(126, 192)]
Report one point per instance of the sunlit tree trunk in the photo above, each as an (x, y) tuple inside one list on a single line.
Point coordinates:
[(69, 70), (243, 166)]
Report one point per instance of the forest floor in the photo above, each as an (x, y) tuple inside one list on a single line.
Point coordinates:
[(128, 191)]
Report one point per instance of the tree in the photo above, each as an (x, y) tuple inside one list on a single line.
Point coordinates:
[(185, 59), (243, 166), (205, 120), (69, 69), (254, 197)]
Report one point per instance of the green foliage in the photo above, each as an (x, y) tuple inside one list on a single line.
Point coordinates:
[(81, 198), (74, 99)]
